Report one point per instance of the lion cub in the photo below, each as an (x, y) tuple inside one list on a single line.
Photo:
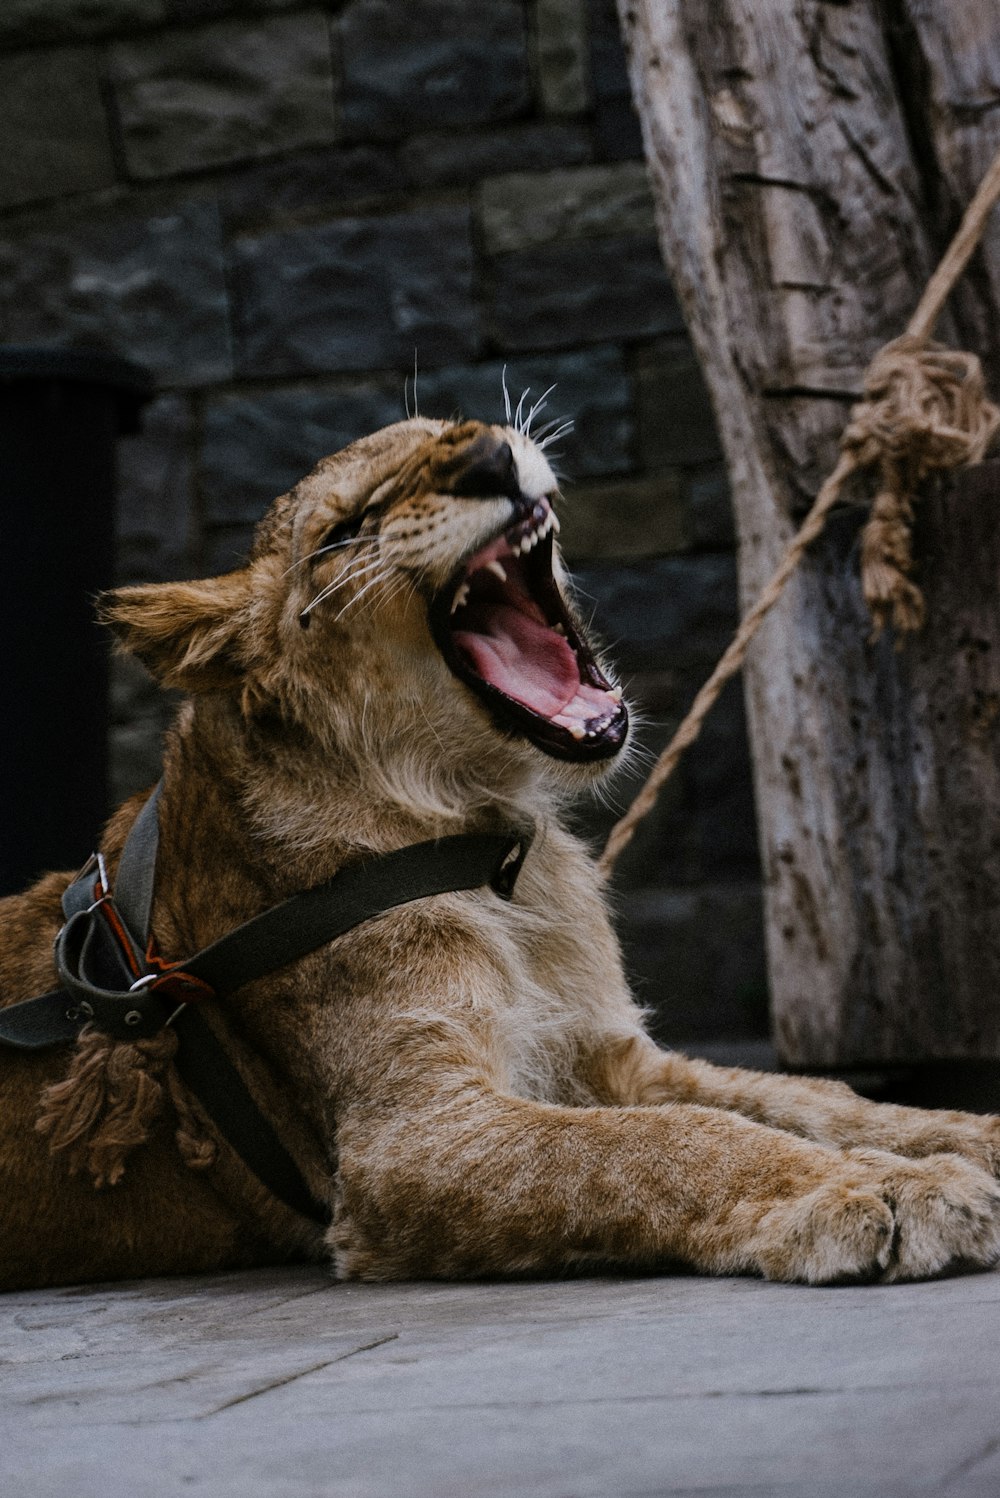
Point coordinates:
[(466, 1080)]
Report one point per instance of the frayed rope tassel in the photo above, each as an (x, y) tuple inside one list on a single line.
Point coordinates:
[(110, 1099)]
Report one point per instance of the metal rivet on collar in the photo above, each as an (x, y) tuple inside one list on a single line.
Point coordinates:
[(134, 1017)]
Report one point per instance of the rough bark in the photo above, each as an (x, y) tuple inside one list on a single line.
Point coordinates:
[(810, 163)]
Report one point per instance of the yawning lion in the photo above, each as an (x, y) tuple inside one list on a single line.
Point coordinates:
[(464, 1082)]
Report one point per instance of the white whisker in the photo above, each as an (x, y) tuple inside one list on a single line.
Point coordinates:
[(520, 408), (397, 588), (339, 582), (539, 405), (392, 591), (380, 576), (357, 567), (407, 587), (560, 431), (602, 793), (643, 755), (334, 546), (358, 599), (506, 395)]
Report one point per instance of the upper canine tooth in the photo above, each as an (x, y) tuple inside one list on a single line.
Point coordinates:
[(461, 597), (497, 568), (555, 522)]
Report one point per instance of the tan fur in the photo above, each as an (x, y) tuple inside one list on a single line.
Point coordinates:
[(468, 1082)]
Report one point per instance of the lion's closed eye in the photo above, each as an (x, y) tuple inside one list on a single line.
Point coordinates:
[(344, 530)]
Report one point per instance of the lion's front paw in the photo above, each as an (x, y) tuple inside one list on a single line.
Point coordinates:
[(831, 1234), (946, 1211)]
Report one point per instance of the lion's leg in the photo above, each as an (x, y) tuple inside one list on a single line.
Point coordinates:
[(481, 1183), (637, 1071)]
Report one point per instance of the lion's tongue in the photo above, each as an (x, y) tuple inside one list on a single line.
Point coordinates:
[(523, 658)]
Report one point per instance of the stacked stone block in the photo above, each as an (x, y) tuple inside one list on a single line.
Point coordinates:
[(276, 208)]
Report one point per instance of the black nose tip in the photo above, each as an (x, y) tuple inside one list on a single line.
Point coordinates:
[(488, 471)]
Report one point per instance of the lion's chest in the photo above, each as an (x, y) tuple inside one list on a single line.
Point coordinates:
[(544, 1013)]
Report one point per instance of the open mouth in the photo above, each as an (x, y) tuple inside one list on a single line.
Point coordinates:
[(504, 629)]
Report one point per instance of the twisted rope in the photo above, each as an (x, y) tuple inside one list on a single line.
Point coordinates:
[(924, 409)]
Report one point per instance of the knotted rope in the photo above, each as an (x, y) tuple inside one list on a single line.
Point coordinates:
[(924, 410)]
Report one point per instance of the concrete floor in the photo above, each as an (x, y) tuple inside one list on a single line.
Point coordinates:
[(281, 1383)]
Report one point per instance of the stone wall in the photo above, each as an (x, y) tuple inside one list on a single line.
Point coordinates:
[(272, 206)]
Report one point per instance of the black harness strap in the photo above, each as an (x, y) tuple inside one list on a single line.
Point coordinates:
[(205, 1067), (136, 878), (101, 959), (356, 894)]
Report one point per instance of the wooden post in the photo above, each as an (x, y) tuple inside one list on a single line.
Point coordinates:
[(810, 163)]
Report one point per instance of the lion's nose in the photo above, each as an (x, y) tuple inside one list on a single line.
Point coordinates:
[(487, 470)]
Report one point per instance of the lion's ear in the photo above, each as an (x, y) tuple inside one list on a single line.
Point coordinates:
[(185, 633)]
